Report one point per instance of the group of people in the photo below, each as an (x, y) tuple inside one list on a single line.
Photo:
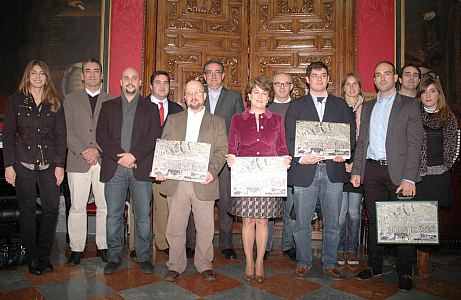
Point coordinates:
[(400, 145)]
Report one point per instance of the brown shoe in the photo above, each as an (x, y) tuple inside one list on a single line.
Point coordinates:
[(209, 275), (302, 272), (333, 273), (171, 276)]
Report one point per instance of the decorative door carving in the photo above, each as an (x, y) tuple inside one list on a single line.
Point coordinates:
[(252, 38), (190, 32)]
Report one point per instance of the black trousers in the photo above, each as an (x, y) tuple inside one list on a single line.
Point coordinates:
[(38, 243), (378, 186)]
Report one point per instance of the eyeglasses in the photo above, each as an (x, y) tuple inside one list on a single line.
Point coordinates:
[(279, 84), (194, 93), (211, 72)]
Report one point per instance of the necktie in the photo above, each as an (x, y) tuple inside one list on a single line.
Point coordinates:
[(320, 99), (161, 110)]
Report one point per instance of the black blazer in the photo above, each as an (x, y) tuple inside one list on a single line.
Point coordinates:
[(336, 111), (146, 130), (26, 129), (173, 108)]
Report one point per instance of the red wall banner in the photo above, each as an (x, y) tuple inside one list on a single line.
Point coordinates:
[(127, 26), (375, 37)]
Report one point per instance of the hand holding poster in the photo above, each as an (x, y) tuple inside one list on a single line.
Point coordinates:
[(322, 139), (180, 160), (407, 222)]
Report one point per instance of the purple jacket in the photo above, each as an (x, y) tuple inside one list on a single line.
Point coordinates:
[(245, 140)]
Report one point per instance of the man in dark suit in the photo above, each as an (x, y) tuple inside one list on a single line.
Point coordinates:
[(386, 162), (194, 125), (160, 88), (224, 103), (313, 178), (83, 164), (127, 130)]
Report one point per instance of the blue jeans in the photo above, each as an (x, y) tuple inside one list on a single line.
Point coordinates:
[(288, 241), (350, 206), (305, 198), (141, 195)]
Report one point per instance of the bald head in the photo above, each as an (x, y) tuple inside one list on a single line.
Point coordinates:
[(130, 83), (195, 96)]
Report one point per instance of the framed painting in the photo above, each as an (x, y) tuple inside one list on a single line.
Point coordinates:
[(62, 33), (428, 35)]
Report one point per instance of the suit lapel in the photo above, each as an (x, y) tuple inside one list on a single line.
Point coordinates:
[(393, 117), (181, 128), (311, 110), (220, 102), (204, 127)]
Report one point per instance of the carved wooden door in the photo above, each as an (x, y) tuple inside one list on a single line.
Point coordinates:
[(252, 38), (286, 36), (190, 32)]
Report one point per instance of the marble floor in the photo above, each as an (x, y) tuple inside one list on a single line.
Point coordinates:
[(87, 280)]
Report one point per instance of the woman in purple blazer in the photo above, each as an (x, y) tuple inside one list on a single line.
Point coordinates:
[(257, 132)]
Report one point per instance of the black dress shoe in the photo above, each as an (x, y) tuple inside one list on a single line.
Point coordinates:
[(209, 275), (46, 265), (291, 253), (229, 253), (190, 252), (405, 283), (35, 267), (111, 268), (133, 253), (102, 254), (171, 275), (75, 258)]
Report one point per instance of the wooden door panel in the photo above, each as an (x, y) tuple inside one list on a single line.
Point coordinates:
[(189, 33), (286, 36)]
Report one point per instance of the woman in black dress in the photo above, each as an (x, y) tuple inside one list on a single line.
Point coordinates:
[(34, 138), (441, 141)]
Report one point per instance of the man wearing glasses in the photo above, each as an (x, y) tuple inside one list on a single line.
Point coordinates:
[(224, 103), (193, 125)]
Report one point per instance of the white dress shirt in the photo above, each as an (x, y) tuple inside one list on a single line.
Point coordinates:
[(194, 121), (165, 105)]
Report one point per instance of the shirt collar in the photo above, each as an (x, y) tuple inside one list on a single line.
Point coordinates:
[(315, 98), (390, 98), (92, 94), (218, 91), (195, 114), (277, 101), (157, 101), (246, 114)]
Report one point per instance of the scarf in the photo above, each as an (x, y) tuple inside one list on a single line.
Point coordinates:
[(451, 141), (356, 105)]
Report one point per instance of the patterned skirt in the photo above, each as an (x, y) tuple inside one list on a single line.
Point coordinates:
[(256, 207)]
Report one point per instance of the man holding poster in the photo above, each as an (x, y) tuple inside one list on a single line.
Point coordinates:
[(313, 178), (194, 125)]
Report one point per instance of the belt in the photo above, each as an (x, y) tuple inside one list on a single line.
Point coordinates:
[(381, 162)]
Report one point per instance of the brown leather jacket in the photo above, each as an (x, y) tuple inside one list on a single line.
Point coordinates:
[(32, 136)]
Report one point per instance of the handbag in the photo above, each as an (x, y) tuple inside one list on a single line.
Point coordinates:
[(12, 254)]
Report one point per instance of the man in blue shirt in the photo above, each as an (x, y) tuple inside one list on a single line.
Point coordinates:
[(386, 162)]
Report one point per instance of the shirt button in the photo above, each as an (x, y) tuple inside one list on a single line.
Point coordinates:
[(257, 153), (262, 127), (257, 140)]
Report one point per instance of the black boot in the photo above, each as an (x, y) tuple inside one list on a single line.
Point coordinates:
[(35, 266)]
